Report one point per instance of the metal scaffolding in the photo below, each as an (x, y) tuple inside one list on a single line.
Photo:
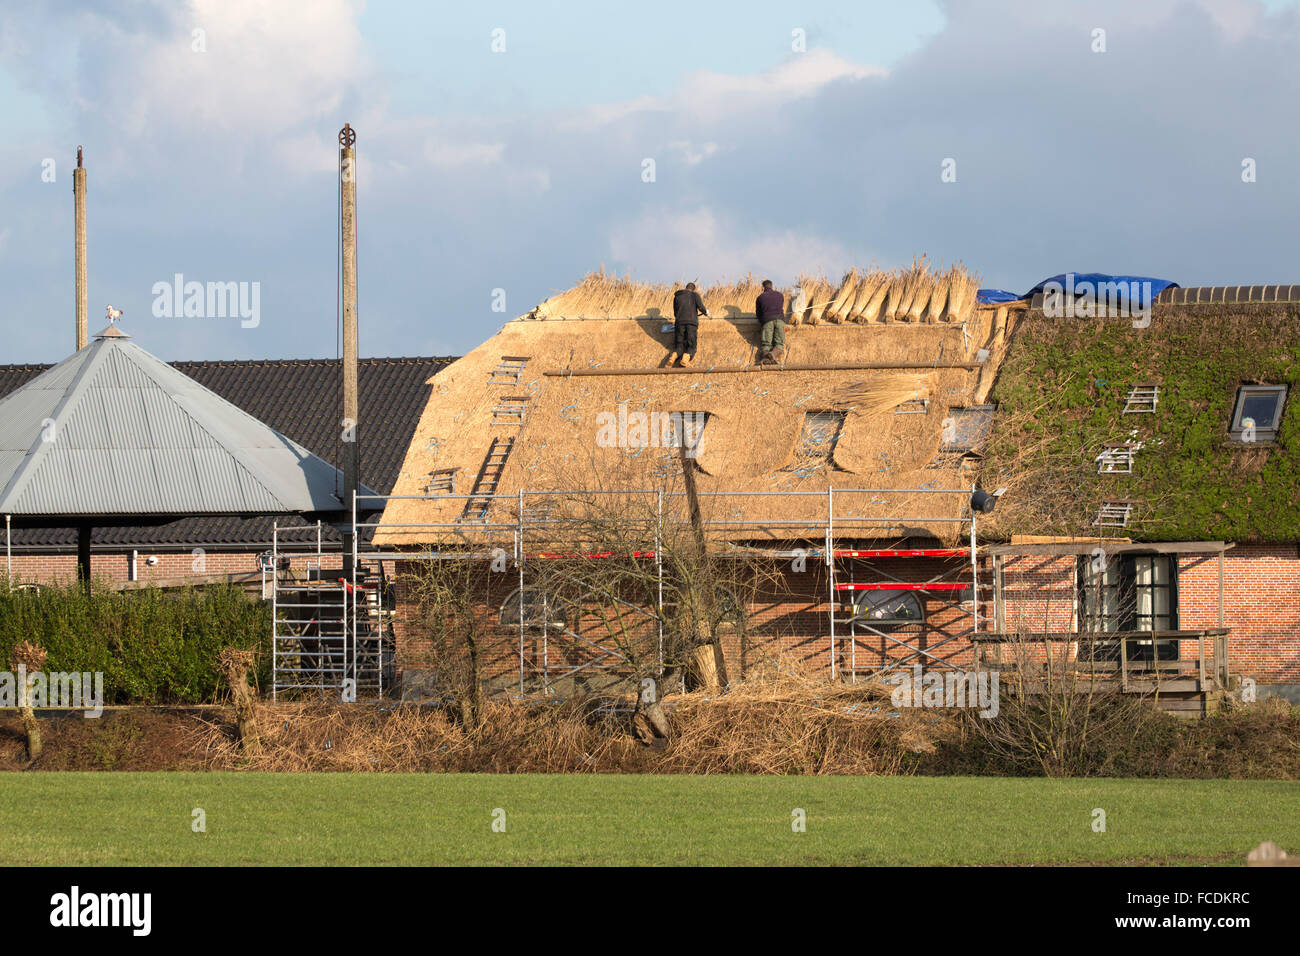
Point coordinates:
[(328, 633)]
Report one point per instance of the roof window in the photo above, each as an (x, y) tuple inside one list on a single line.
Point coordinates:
[(1257, 413)]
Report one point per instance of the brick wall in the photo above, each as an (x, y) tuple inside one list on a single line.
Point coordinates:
[(41, 568), (1261, 604), (1261, 598), (789, 622)]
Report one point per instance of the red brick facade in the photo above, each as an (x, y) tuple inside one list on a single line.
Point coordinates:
[(792, 624), (789, 625), (1261, 604)]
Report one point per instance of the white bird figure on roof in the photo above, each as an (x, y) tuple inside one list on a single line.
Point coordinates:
[(113, 315)]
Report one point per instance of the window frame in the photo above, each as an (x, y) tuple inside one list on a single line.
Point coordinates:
[(861, 600), (1125, 594), (551, 607), (1235, 427)]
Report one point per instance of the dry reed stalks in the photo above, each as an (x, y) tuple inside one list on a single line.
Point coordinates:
[(912, 294), (893, 298), (600, 295), (810, 290), (27, 658), (934, 311), (866, 289), (962, 286), (235, 664), (844, 297), (880, 394), (872, 311), (779, 723), (915, 279)]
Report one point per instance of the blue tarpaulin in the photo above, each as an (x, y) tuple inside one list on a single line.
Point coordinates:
[(1140, 290), (995, 295), (1135, 288)]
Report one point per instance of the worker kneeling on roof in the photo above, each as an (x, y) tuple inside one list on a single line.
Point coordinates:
[(769, 309), (687, 309)]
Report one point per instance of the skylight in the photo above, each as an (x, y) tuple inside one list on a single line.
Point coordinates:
[(1258, 412)]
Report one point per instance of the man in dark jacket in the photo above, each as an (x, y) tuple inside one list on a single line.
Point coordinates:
[(769, 308), (687, 309)]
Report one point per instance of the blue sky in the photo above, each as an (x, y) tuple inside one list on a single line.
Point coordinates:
[(522, 170)]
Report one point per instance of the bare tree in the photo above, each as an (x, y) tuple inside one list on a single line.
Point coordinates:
[(448, 598)]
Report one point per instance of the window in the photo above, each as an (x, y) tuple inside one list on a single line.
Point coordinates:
[(541, 611), (887, 608), (821, 430), (1129, 592), (967, 429), (1257, 413)]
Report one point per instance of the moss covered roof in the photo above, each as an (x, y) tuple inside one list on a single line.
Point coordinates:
[(1061, 395)]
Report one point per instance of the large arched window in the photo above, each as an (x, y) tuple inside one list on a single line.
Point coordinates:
[(541, 610), (882, 609)]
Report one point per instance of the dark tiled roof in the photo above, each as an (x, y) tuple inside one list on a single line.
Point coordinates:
[(298, 398)]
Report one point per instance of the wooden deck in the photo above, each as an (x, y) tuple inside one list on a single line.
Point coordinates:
[(1192, 684)]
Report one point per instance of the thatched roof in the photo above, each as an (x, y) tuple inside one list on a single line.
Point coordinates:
[(1061, 395), (1059, 385), (754, 439)]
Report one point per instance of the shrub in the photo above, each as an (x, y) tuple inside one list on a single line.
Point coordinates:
[(152, 646)]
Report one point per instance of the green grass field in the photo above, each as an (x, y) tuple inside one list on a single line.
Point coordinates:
[(336, 819)]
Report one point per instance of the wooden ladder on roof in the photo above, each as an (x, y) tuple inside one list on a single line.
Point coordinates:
[(489, 477)]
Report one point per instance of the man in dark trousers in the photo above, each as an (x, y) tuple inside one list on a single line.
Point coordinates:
[(687, 309), (769, 308)]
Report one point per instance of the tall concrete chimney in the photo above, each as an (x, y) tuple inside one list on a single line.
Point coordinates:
[(348, 236), (79, 204)]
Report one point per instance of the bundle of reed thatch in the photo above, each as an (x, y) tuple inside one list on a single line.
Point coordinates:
[(880, 394), (917, 293), (934, 311), (600, 295), (867, 288), (915, 281), (962, 287), (838, 309)]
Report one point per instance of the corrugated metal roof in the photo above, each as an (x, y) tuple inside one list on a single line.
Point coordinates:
[(113, 430)]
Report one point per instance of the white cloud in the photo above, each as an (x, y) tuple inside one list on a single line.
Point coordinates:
[(692, 154), (265, 67), (697, 244), (706, 95), (443, 154)]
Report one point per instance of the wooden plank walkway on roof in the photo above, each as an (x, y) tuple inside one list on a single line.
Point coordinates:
[(726, 369)]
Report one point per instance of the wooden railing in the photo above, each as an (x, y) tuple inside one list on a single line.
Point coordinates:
[(1209, 665)]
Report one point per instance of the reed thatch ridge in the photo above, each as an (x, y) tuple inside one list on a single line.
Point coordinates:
[(919, 293)]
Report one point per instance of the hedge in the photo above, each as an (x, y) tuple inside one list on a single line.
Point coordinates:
[(153, 646)]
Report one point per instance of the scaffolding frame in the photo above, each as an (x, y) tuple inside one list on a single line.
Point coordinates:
[(830, 527), (324, 632)]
